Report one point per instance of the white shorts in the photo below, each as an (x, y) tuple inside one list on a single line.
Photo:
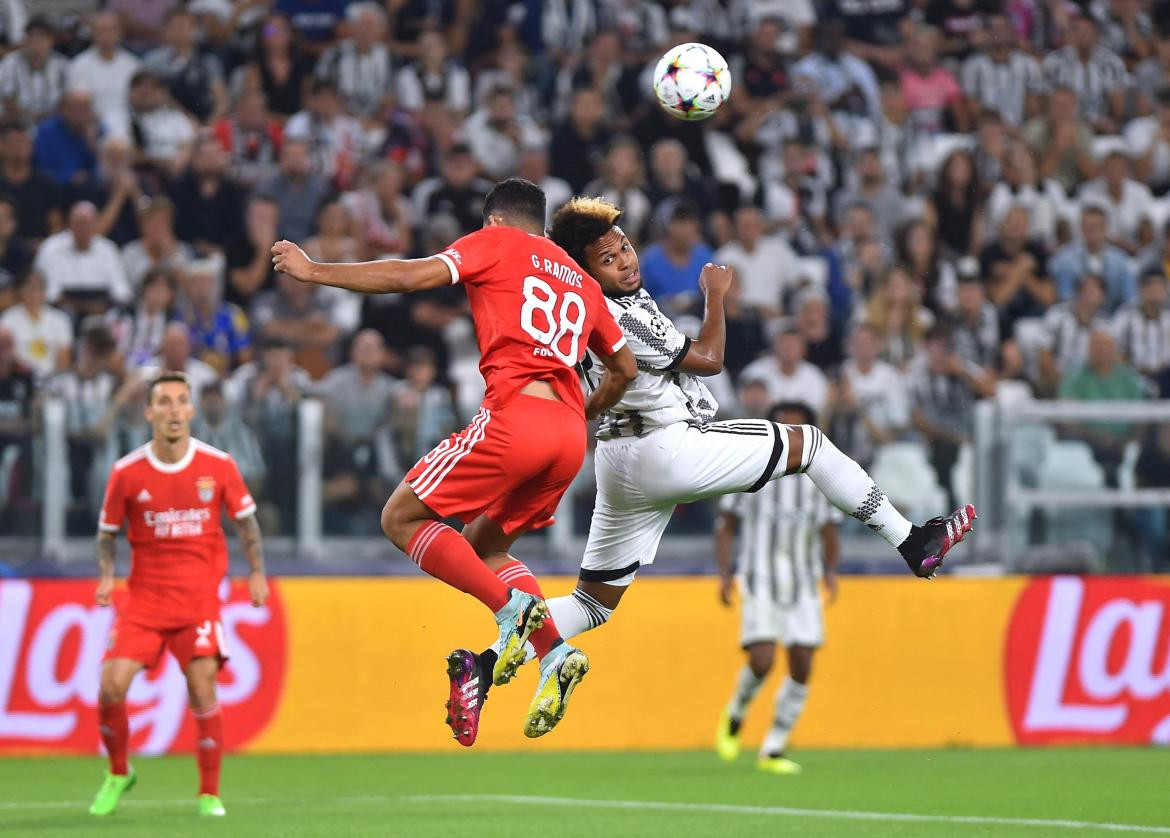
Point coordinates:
[(641, 480), (800, 623)]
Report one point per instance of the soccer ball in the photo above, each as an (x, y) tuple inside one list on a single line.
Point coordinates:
[(691, 81)]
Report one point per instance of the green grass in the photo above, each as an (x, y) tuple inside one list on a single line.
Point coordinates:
[(381, 795)]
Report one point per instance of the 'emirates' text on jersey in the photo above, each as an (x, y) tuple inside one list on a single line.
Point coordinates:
[(178, 553), (535, 312), (780, 551), (661, 395)]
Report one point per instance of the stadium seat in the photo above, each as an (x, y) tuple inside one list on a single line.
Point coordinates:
[(963, 474), (1069, 464), (905, 474)]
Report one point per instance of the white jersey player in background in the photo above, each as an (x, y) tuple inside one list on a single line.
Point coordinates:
[(659, 446), (787, 533)]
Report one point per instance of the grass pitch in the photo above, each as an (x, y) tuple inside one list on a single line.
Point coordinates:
[(850, 793)]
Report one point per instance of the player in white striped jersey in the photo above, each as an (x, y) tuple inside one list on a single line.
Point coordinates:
[(787, 531)]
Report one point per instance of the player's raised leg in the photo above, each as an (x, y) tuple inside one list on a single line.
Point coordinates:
[(201, 673), (114, 724)]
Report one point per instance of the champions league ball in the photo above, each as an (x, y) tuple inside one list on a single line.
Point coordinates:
[(691, 82)]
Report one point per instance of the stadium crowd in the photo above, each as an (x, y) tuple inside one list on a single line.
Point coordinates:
[(924, 199)]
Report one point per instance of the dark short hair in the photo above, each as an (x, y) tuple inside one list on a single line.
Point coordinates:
[(517, 198), (42, 24), (808, 417), (1152, 275), (1097, 278), (163, 378), (145, 77)]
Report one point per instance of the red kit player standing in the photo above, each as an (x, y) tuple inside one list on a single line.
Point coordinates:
[(535, 312), (169, 494)]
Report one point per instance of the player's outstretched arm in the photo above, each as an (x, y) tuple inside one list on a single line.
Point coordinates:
[(621, 368), (107, 549), (705, 355), (384, 276), (248, 531)]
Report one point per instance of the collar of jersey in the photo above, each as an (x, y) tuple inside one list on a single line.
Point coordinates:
[(171, 468)]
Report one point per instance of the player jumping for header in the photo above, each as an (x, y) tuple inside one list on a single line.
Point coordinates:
[(658, 447), (535, 312), (169, 493)]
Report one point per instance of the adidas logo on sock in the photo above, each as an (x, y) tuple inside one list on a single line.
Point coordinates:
[(207, 742), (144, 496)]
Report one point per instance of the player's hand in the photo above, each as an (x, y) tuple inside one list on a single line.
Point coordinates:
[(290, 259), (716, 279), (830, 583), (726, 590), (104, 594), (258, 588)]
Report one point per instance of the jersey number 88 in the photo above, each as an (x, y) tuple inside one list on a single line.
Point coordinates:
[(568, 321)]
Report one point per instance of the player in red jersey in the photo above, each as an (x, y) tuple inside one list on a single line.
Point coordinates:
[(535, 312), (169, 494)]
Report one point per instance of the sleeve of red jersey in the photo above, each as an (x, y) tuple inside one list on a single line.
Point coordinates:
[(236, 496), (471, 258), (607, 336), (113, 504)]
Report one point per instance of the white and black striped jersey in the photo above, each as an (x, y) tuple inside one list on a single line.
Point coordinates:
[(1143, 341), (780, 551), (1068, 337), (661, 395)]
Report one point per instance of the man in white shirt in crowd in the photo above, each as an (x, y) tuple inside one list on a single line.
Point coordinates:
[(164, 134), (175, 354), (43, 334), (787, 375), (105, 70), (871, 405), (496, 133), (83, 271), (766, 265), (1127, 203), (1148, 139)]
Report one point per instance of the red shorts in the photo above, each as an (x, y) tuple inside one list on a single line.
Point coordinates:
[(145, 645), (511, 464)]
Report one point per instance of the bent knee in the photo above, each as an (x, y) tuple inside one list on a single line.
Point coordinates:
[(760, 659), (111, 692)]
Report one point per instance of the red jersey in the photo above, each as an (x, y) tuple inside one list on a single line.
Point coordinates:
[(178, 553), (535, 312)]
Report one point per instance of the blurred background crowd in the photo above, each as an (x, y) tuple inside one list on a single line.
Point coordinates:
[(928, 203)]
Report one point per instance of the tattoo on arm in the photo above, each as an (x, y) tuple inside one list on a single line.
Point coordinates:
[(107, 550), (248, 531)]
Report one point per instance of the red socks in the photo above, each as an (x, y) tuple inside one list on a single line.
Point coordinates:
[(208, 747), (446, 555), (114, 725), (515, 574)]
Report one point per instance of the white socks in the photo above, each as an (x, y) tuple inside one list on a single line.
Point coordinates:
[(849, 488), (574, 614), (745, 690), (789, 704)]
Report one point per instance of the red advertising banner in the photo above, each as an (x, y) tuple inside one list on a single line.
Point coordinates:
[(53, 635), (1088, 660)]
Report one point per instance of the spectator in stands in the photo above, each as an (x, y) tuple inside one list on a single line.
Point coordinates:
[(578, 143), (1043, 200), (1148, 140), (381, 217), (335, 140), (296, 314), (934, 276), (1127, 203), (360, 464), (746, 338), (114, 189), (1062, 141), (623, 181), (765, 266), (974, 326), (896, 312), (533, 165), (315, 23), (277, 69), (158, 248), (360, 65), (251, 137), (333, 243), (207, 204), (219, 331), (872, 188), (670, 268), (15, 255), (931, 92), (1093, 254), (423, 411), (1104, 377), (217, 424), (1014, 267), (1068, 327), (37, 198), (83, 271), (954, 206), (942, 393), (787, 375), (672, 177), (1150, 75), (297, 192), (32, 78), (843, 81), (104, 70), (602, 68), (142, 21), (1142, 331), (193, 76), (175, 353), (1096, 75), (140, 329), (870, 404), (1126, 29), (510, 69), (66, 144), (43, 334), (823, 345), (17, 394), (458, 193), (249, 262), (434, 77), (797, 204), (1001, 77), (497, 132), (163, 134)]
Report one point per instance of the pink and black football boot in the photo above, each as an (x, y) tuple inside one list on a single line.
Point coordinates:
[(469, 687), (926, 546)]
